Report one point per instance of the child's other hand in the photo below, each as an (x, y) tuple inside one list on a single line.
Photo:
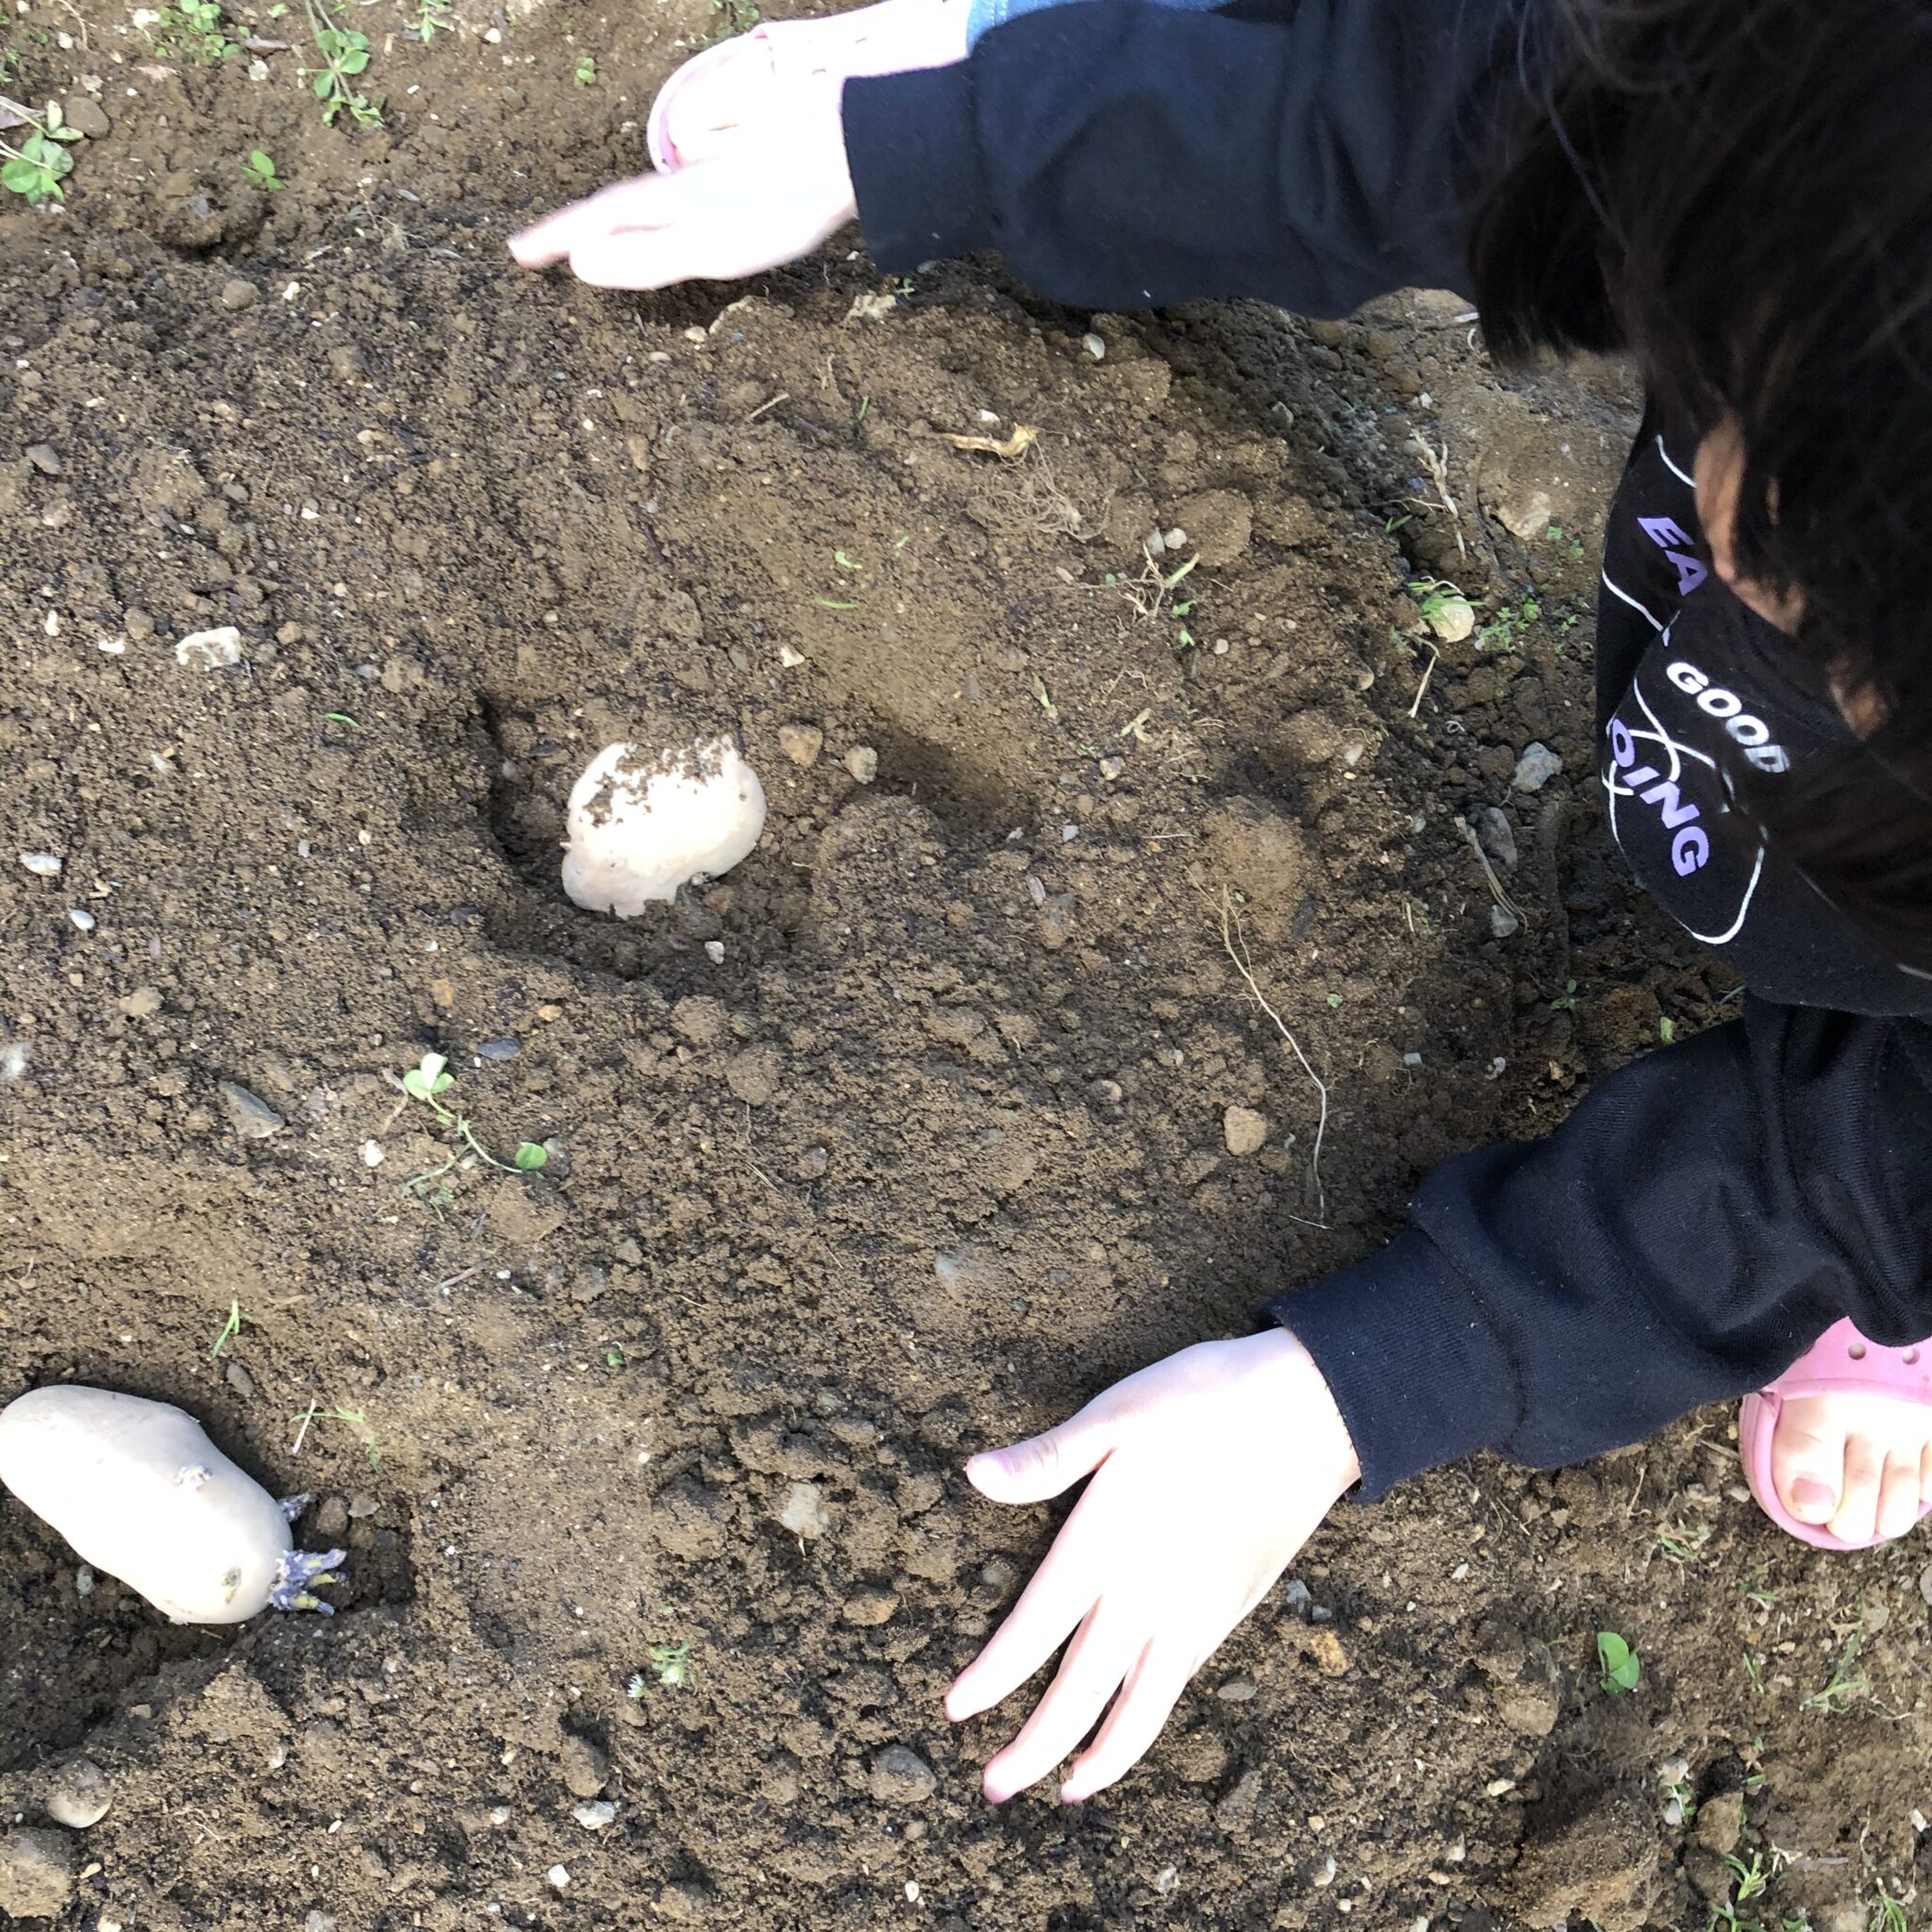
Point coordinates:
[(1210, 1471), (779, 190)]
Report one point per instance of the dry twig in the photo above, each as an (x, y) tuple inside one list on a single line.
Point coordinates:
[(1235, 943)]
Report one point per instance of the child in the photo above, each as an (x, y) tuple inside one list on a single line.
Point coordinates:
[(1743, 198)]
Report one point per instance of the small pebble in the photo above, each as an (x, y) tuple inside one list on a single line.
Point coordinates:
[(332, 1518), (77, 1795), (502, 1049), (901, 1776), (595, 1814), (248, 1113), (372, 1154), (45, 458), (1925, 1583), (82, 919), (559, 1877), (801, 743), (1498, 836), (1538, 765), (43, 865), (238, 1379), (213, 650), (1236, 1691), (805, 1513), (714, 952), (862, 761), (363, 1506), (1095, 346), (1503, 923), (86, 116), (240, 294)]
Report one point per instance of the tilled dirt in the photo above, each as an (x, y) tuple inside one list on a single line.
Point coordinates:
[(902, 1139)]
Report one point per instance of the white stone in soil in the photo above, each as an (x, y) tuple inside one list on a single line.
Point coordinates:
[(643, 823)]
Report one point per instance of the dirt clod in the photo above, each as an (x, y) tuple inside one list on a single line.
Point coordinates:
[(583, 1764), (900, 1776), (36, 1873)]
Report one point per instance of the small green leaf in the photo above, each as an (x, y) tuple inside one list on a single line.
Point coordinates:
[(613, 1359), (846, 562), (1666, 1030), (833, 604), (323, 83), (23, 177), (341, 718), (1621, 1666), (529, 1157)]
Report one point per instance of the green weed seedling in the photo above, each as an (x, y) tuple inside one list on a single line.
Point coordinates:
[(428, 1082), (344, 56), (1847, 1685), (35, 168), (194, 29), (1618, 1666), (1889, 1914), (729, 17), (672, 1663), (353, 1418), (432, 18), (585, 73), (260, 170), (239, 1318), (1566, 1001)]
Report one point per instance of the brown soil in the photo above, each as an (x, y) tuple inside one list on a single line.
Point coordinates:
[(933, 1151)]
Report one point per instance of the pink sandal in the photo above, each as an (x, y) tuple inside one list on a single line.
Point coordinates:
[(1840, 1362), (890, 37)]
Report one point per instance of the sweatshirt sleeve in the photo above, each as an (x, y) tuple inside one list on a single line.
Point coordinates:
[(1128, 156), (1701, 1218)]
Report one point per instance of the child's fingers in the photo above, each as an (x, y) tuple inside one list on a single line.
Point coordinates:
[(1062, 1591), (1043, 1465), (1146, 1702), (1101, 1654), (642, 202)]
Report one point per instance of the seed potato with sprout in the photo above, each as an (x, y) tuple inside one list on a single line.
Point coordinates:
[(643, 823), (139, 1490)]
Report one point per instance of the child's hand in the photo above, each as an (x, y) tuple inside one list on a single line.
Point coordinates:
[(1210, 1469), (780, 189)]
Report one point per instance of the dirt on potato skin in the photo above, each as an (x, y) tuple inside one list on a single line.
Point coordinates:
[(931, 1154)]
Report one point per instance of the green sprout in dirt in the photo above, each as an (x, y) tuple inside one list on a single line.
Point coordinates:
[(671, 1665), (1847, 1685), (194, 30), (729, 17), (432, 18), (1509, 625), (428, 1082), (1618, 1666), (353, 1418), (239, 1318), (614, 1358), (1566, 1001), (9, 65), (1666, 1030), (585, 73), (1889, 1914), (344, 55), (35, 169), (260, 172)]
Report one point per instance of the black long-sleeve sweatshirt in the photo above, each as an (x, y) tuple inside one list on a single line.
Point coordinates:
[(1709, 1210)]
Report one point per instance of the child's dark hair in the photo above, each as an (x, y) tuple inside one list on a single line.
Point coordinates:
[(1739, 192)]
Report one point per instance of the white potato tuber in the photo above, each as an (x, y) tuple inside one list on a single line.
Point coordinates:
[(643, 823), (139, 1490)]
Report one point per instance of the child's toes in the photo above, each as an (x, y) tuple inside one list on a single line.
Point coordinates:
[(1807, 1462), (1898, 1495), (1856, 1519)]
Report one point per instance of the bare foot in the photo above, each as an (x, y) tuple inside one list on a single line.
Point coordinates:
[(1857, 1465), (718, 93)]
